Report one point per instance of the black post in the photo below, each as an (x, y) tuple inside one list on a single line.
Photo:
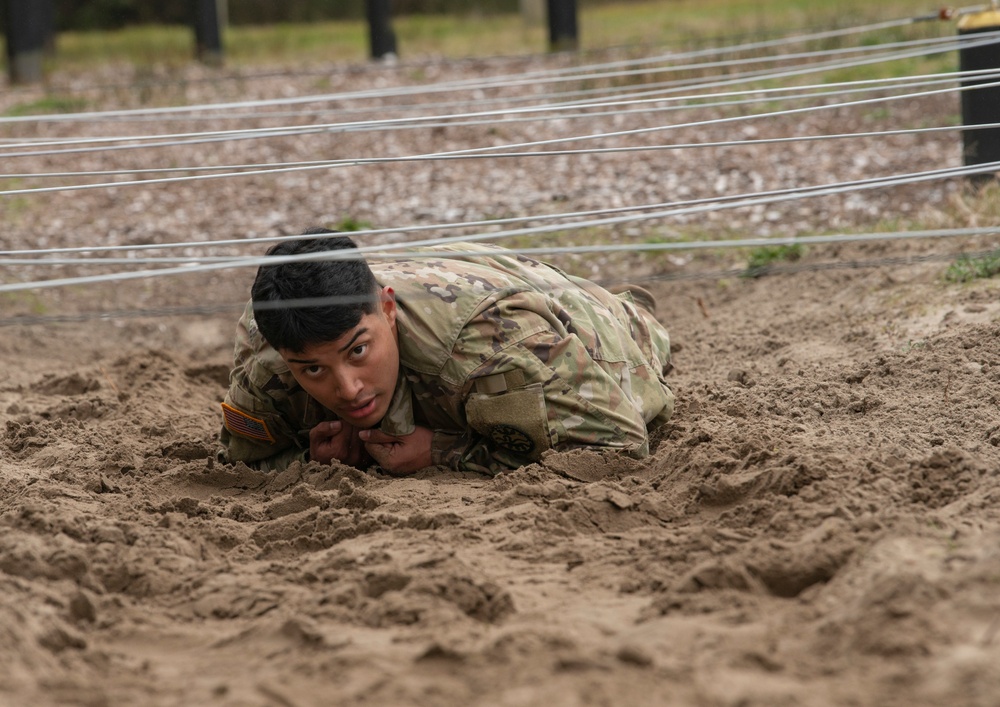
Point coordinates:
[(383, 39), (980, 105), (28, 25), (49, 25), (208, 31), (563, 33)]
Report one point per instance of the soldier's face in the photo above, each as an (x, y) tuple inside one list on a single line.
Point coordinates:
[(355, 375)]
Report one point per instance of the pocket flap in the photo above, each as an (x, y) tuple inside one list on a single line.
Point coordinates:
[(514, 421)]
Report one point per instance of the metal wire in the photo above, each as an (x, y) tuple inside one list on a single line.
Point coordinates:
[(186, 138), (206, 263), (479, 101), (533, 78), (665, 209), (767, 95), (794, 268), (381, 252), (650, 105), (495, 149), (724, 47), (748, 272)]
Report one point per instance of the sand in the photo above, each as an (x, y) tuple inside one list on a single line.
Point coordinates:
[(818, 525)]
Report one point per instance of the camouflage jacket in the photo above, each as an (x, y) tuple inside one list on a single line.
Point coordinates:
[(502, 356)]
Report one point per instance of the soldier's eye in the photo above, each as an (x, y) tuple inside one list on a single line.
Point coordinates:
[(312, 370), (359, 350)]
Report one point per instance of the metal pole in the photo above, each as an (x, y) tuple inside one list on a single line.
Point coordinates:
[(28, 26), (383, 39), (563, 33), (208, 31), (980, 105)]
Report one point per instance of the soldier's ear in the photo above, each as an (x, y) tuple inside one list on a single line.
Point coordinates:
[(388, 300)]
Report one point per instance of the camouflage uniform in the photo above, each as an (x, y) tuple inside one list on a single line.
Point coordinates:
[(501, 355)]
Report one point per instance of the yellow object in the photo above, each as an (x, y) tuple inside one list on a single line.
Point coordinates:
[(979, 20)]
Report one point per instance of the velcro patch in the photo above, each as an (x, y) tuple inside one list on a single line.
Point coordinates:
[(239, 423), (515, 421)]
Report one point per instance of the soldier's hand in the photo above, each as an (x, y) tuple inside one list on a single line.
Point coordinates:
[(399, 455), (337, 440)]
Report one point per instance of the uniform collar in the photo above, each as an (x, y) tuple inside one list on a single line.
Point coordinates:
[(398, 419)]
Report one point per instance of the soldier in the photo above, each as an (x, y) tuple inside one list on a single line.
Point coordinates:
[(470, 357)]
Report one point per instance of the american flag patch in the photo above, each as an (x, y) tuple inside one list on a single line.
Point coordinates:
[(239, 423)]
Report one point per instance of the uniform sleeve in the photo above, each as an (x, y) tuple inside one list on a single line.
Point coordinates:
[(263, 418), (256, 431), (547, 392)]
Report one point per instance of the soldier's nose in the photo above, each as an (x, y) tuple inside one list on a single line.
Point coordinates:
[(349, 387)]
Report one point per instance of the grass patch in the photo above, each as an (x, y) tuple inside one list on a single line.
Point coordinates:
[(140, 46), (17, 209), (678, 25), (47, 105), (691, 23), (349, 224), (323, 41), (762, 258), (974, 267), (24, 303)]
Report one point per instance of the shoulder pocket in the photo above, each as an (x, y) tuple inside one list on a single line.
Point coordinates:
[(513, 421)]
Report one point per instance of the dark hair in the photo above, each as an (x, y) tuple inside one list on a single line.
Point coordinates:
[(296, 327)]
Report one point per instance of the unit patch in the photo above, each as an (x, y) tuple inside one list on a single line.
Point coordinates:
[(509, 437), (239, 423)]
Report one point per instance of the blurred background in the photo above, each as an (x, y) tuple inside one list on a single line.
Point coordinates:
[(261, 31)]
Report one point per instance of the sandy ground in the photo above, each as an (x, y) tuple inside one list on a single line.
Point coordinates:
[(818, 525)]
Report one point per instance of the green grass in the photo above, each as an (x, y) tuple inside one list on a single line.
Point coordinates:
[(139, 46), (47, 105), (349, 224), (677, 24), (697, 22), (15, 208), (762, 258), (22, 303), (973, 267)]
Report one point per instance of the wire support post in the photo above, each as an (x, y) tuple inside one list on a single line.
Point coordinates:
[(382, 40), (563, 32), (208, 17), (980, 105), (28, 27)]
